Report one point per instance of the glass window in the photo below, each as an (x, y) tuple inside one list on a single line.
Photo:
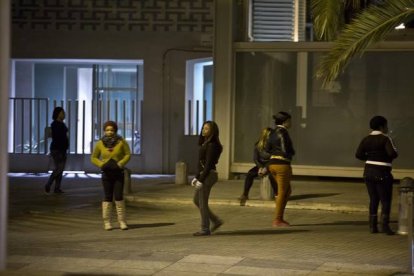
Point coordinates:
[(91, 92), (199, 94), (328, 124)]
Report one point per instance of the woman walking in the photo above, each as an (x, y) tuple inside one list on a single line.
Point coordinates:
[(281, 150), (58, 149), (210, 149), (378, 151), (260, 157), (111, 154)]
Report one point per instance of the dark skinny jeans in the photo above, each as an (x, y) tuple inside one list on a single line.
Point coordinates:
[(379, 180), (113, 184), (200, 199), (59, 161)]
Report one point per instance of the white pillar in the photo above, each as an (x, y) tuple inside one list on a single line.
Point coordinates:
[(5, 26), (222, 86)]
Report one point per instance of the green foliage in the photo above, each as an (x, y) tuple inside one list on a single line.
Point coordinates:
[(369, 26), (329, 16)]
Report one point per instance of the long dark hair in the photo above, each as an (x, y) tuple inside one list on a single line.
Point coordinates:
[(214, 137)]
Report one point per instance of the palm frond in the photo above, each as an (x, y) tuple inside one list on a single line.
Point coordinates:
[(327, 17), (369, 26), (355, 4)]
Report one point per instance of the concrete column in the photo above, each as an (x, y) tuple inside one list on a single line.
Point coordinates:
[(222, 86), (5, 25)]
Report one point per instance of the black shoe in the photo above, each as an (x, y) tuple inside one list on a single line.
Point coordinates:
[(387, 230), (216, 225), (385, 225), (47, 189), (243, 200), (59, 191), (373, 224), (201, 233)]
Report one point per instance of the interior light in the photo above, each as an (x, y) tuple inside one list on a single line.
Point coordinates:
[(401, 26)]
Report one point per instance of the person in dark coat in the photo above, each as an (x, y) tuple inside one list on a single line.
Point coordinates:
[(378, 151), (210, 150), (58, 149)]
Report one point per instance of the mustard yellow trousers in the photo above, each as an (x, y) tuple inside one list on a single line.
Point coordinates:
[(282, 173)]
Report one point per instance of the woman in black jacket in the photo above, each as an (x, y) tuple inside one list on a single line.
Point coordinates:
[(209, 153), (378, 151), (58, 149), (281, 152), (260, 157)]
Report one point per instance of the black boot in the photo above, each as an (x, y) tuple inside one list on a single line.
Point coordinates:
[(385, 225), (373, 221)]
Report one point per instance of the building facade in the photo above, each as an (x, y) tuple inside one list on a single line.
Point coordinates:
[(170, 45)]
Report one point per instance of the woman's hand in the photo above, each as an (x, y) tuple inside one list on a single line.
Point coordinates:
[(197, 184), (262, 171)]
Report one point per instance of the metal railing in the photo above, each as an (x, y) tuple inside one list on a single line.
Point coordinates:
[(31, 118), (196, 115)]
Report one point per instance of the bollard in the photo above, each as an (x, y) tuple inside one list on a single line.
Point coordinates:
[(405, 218), (410, 230), (181, 174), (266, 190), (406, 188), (127, 181)]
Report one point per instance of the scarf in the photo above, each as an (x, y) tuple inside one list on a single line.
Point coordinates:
[(111, 141)]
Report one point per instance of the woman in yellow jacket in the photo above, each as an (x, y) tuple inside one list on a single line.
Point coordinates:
[(111, 154)]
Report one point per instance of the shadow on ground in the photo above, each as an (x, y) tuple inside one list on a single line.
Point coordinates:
[(305, 196), (149, 225), (258, 232)]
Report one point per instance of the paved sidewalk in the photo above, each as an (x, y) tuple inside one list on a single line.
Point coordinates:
[(63, 235), (329, 194)]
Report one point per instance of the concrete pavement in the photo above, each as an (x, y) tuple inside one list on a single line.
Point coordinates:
[(62, 235)]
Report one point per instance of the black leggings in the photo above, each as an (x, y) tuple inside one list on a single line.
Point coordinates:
[(251, 175), (378, 180), (113, 184)]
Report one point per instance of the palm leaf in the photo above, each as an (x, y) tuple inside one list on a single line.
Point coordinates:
[(327, 17), (355, 4), (370, 26)]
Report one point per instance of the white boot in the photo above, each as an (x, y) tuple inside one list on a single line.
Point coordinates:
[(107, 214), (121, 212)]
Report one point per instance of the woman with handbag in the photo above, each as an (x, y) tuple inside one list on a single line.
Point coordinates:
[(111, 154)]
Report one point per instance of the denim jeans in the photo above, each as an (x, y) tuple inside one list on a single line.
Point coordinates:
[(59, 161), (201, 196)]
